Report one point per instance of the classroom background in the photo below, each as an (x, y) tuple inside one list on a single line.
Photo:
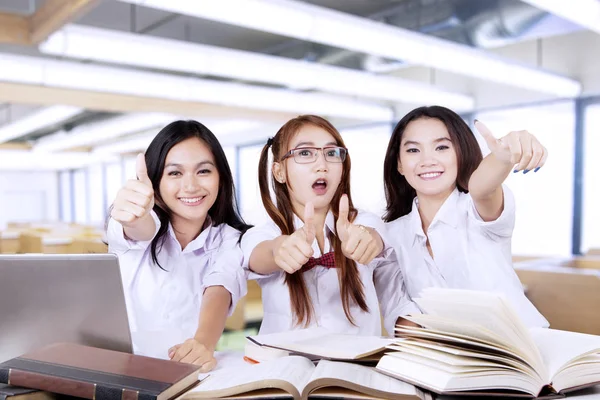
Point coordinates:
[(85, 85)]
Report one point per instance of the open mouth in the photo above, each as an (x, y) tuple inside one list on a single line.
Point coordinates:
[(191, 201), (320, 186)]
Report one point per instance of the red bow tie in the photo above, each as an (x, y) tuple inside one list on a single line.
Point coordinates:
[(327, 260)]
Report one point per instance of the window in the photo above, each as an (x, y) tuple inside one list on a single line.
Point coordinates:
[(544, 199), (367, 148), (80, 190), (97, 211), (591, 183), (114, 181), (252, 208), (66, 206)]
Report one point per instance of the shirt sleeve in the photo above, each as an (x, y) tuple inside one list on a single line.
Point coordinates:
[(391, 293), (226, 269), (252, 238), (501, 227), (373, 221), (119, 244)]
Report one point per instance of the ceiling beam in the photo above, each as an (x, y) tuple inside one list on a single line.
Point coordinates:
[(317, 24), (51, 16), (15, 29), (110, 102), (54, 14)]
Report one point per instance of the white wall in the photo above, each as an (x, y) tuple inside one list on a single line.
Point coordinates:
[(28, 196)]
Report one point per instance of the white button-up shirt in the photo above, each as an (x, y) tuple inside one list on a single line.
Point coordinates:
[(382, 280), (469, 253), (164, 305)]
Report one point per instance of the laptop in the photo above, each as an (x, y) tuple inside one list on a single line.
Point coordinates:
[(50, 298)]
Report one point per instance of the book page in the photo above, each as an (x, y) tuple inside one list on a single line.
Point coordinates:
[(294, 370), (320, 342), (464, 342), (408, 344), (491, 311), (559, 348), (229, 359), (342, 347), (361, 376), (280, 338)]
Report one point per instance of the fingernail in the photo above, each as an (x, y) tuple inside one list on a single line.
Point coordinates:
[(515, 171), (537, 169), (526, 171)]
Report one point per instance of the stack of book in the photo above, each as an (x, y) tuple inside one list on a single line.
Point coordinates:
[(467, 344)]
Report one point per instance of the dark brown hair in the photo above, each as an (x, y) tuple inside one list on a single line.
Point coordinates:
[(398, 192), (223, 211), (351, 287)]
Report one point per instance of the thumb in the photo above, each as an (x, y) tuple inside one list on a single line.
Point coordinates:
[(141, 170), (489, 137), (343, 211), (309, 222)]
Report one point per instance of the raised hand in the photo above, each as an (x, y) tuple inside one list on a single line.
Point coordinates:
[(135, 199), (359, 243), (518, 148), (295, 250)]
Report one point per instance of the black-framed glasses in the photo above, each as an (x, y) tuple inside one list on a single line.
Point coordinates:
[(307, 155)]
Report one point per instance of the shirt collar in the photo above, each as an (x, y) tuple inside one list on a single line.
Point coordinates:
[(329, 221), (447, 214), (200, 241), (329, 225)]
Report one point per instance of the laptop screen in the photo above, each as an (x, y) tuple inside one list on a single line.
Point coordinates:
[(50, 298)]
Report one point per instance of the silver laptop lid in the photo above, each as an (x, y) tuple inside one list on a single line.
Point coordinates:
[(49, 298)]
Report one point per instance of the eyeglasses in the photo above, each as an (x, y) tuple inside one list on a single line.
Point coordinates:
[(307, 155)]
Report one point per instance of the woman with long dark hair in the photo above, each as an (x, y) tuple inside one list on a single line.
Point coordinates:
[(176, 231), (448, 211)]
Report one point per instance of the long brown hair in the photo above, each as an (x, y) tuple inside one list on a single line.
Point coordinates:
[(398, 192), (351, 287)]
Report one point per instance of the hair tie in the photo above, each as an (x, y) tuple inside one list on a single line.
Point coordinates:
[(269, 142)]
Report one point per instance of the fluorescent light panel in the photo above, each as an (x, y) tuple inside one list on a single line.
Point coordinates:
[(585, 13), (321, 25), (141, 141), (28, 160), (39, 71), (144, 51), (90, 134), (39, 119)]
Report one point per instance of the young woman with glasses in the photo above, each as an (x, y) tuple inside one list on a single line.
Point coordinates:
[(315, 262)]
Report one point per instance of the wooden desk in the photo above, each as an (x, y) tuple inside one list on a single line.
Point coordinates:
[(9, 242), (33, 243)]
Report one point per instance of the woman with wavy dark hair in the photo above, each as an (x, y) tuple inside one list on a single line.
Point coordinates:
[(447, 209), (176, 231), (315, 262)]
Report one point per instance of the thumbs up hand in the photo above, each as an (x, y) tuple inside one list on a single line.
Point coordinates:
[(295, 250), (135, 199), (518, 147), (359, 243)]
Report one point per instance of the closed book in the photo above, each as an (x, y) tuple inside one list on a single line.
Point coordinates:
[(98, 374)]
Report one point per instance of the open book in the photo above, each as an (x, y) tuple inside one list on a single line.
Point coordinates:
[(317, 343), (298, 377), (474, 341)]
